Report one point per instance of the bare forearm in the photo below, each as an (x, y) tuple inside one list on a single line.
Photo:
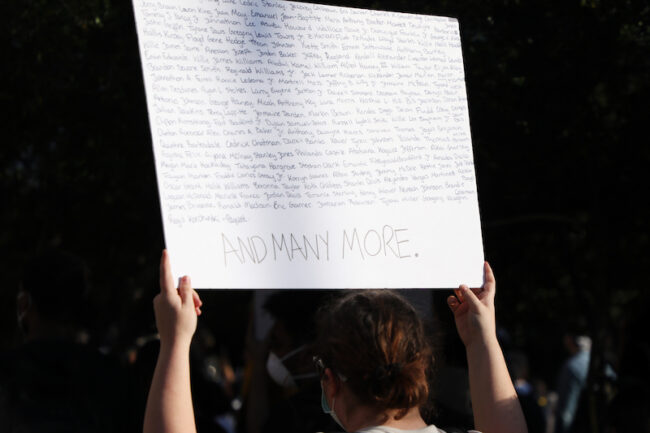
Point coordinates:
[(494, 400), (169, 405)]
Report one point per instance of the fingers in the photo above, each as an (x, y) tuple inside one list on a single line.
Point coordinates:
[(459, 293), (453, 303), (197, 302), (189, 297), (185, 291), (167, 286), (489, 284), (470, 298), (475, 295), (456, 304)]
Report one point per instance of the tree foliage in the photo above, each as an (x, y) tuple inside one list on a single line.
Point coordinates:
[(557, 94)]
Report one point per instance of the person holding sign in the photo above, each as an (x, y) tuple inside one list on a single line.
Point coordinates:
[(373, 359)]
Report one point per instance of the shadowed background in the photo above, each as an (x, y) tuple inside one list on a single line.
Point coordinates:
[(558, 105)]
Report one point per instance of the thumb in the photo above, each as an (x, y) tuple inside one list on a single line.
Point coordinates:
[(185, 291), (469, 297)]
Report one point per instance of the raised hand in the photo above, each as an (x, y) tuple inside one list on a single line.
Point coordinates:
[(176, 309), (169, 404), (494, 400), (474, 310)]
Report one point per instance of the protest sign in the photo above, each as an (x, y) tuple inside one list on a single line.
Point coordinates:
[(301, 145)]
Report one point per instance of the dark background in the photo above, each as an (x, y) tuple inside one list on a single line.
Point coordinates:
[(558, 96)]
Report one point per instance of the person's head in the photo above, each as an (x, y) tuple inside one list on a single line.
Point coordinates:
[(293, 313), (292, 335), (374, 356), (577, 343), (53, 293)]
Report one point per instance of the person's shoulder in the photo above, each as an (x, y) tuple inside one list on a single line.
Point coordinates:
[(384, 429)]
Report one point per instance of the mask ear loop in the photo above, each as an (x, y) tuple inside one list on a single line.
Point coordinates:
[(289, 355), (330, 409), (293, 352), (305, 376)]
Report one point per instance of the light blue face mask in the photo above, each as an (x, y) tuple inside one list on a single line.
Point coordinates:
[(326, 407)]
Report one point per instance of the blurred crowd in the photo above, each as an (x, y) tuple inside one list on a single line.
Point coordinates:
[(61, 380)]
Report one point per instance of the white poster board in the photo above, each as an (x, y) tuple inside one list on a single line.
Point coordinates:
[(309, 146)]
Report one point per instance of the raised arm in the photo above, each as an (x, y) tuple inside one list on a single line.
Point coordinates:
[(494, 400), (169, 405)]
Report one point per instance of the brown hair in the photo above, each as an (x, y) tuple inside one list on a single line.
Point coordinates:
[(376, 340)]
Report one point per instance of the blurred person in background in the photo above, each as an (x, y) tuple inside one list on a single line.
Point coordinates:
[(283, 393), (56, 381), (571, 381)]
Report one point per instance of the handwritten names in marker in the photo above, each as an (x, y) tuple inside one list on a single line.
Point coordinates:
[(265, 105)]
